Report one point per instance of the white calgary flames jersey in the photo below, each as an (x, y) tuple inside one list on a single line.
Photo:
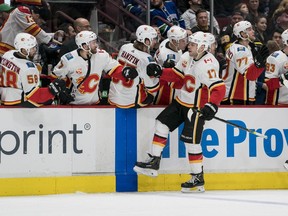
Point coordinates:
[(277, 64), (164, 53), (239, 58), (132, 92), (20, 20), (198, 74), (73, 66), (18, 77)]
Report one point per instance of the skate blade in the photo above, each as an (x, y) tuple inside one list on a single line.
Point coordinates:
[(198, 189), (147, 172), (286, 165)]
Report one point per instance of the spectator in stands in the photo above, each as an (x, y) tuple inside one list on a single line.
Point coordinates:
[(20, 20), (276, 36), (40, 16), (243, 8), (202, 22), (260, 29), (137, 10), (5, 9), (189, 16), (226, 35), (167, 11), (253, 6), (80, 24), (69, 31)]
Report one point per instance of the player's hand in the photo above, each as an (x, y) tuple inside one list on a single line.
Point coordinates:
[(169, 63), (154, 70), (283, 78), (208, 111), (129, 73), (260, 55), (65, 97), (57, 86)]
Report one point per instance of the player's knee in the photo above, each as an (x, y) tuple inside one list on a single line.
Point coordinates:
[(193, 148), (161, 129)]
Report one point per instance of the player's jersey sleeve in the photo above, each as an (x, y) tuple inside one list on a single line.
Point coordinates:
[(111, 64), (24, 19), (62, 69)]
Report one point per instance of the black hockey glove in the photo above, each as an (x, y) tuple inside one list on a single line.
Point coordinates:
[(129, 73), (283, 77), (169, 63), (208, 111), (65, 97), (154, 70), (57, 86), (260, 55)]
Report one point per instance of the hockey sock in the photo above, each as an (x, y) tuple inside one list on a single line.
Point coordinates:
[(195, 157), (159, 139)]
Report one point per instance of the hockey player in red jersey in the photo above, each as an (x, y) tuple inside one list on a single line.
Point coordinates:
[(19, 80), (200, 69), (245, 63)]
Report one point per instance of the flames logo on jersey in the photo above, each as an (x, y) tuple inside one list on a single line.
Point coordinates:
[(184, 64), (89, 85)]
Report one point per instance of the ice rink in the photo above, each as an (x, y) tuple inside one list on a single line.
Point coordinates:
[(224, 203)]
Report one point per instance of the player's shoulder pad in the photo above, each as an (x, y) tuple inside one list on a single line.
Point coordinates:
[(24, 9), (69, 56), (30, 65)]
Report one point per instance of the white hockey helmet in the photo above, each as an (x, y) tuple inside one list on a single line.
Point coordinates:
[(85, 37), (200, 38), (24, 41), (144, 32), (241, 26), (176, 33), (284, 37), (210, 38)]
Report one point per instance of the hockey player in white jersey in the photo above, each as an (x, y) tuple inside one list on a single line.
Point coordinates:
[(20, 79), (167, 55), (139, 91), (245, 63), (200, 69), (21, 20), (276, 73), (84, 67)]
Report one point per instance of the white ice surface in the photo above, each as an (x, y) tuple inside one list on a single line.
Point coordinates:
[(216, 203)]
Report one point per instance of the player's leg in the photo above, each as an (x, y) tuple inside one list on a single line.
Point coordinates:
[(167, 120), (191, 135)]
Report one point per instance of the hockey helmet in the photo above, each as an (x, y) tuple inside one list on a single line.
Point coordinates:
[(284, 37), (144, 32), (200, 38), (85, 37), (24, 41), (241, 26), (176, 33)]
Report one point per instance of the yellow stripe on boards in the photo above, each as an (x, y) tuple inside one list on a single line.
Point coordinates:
[(56, 185), (216, 181)]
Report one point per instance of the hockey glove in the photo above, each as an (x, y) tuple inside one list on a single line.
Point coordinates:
[(57, 86), (154, 70), (283, 78), (260, 55), (129, 73), (65, 97), (169, 63), (208, 111)]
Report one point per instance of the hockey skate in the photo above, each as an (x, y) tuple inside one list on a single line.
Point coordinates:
[(150, 167), (194, 185), (286, 164)]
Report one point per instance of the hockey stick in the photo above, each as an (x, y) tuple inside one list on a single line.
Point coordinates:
[(236, 125)]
